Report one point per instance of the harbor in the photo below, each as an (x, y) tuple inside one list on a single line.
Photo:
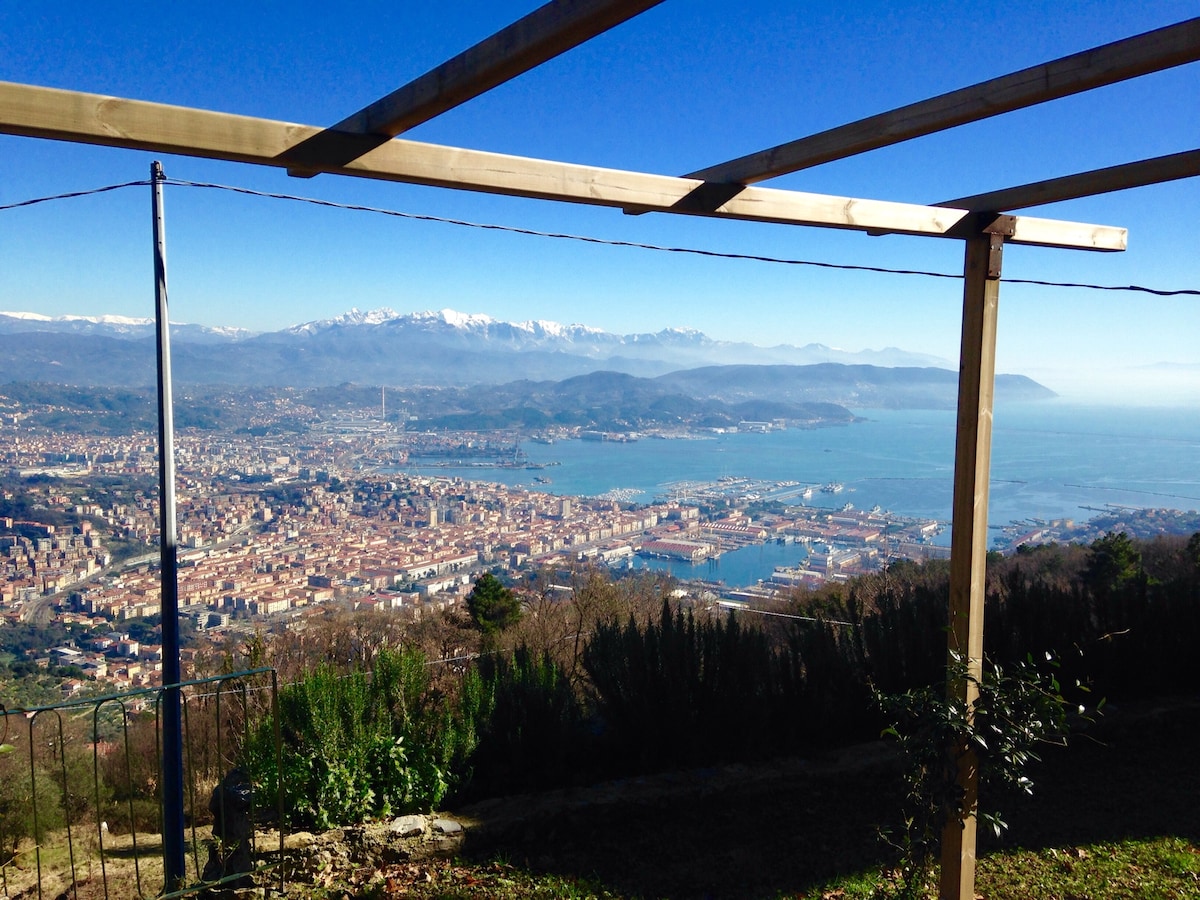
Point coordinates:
[(755, 536)]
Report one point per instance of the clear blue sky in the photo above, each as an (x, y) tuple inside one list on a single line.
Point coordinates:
[(688, 84)]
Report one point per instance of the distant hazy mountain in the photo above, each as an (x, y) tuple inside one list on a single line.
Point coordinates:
[(115, 327), (383, 346), (609, 401), (449, 348), (877, 387)]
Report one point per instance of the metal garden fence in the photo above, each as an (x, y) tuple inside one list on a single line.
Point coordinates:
[(81, 800)]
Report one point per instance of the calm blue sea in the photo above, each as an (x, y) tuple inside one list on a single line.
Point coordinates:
[(1050, 460), (735, 568)]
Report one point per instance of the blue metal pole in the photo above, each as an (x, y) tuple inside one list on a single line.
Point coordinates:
[(174, 843)]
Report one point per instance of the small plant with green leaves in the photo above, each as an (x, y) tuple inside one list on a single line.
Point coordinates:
[(1020, 707), (360, 744)]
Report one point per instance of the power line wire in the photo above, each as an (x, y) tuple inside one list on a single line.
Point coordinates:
[(74, 194), (512, 229), (608, 242), (734, 606), (1103, 287)]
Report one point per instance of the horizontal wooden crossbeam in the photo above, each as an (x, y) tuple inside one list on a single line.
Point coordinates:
[(527, 43), (1153, 51), (90, 118), (1085, 184), (545, 33)]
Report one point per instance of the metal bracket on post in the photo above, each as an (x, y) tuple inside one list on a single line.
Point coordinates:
[(999, 228), (995, 256)]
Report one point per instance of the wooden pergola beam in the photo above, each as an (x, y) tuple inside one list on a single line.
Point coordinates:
[(545, 33), (1084, 184), (1153, 51), (89, 118), (527, 43)]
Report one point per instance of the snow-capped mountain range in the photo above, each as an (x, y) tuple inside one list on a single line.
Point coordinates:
[(382, 346), (478, 324), (595, 343)]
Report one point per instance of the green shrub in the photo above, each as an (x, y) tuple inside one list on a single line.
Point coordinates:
[(360, 744), (529, 724), (681, 693), (17, 796), (1019, 708)]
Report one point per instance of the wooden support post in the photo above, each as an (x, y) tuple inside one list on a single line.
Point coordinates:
[(968, 546)]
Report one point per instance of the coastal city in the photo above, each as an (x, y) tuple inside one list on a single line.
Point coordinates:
[(274, 531)]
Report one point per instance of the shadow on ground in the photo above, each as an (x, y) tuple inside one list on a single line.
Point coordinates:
[(788, 827), (1134, 776)]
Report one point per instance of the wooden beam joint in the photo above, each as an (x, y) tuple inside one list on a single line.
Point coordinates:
[(548, 31)]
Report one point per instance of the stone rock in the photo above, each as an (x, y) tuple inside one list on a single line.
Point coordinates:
[(407, 826), (338, 857), (446, 826)]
